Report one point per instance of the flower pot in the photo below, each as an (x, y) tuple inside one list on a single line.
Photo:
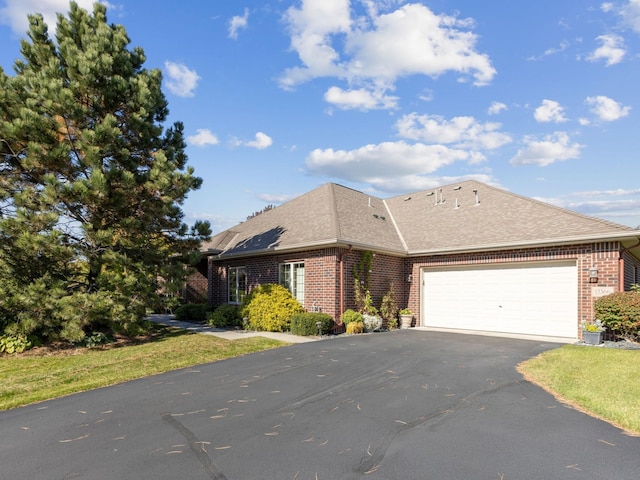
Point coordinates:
[(406, 321), (592, 338)]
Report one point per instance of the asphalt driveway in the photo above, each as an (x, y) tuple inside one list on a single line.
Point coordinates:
[(399, 405)]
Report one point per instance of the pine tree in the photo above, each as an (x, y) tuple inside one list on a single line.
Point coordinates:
[(91, 183)]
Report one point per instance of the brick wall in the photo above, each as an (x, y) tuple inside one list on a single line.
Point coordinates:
[(323, 267)]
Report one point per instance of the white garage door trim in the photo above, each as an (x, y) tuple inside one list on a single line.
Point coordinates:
[(538, 298)]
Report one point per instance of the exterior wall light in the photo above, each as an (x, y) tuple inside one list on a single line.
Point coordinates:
[(593, 275)]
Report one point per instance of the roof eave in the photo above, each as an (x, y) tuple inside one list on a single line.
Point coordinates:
[(614, 236), (301, 247)]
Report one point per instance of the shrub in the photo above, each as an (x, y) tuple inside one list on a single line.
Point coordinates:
[(389, 308), (17, 343), (225, 316), (192, 311), (269, 308), (94, 339), (306, 323), (372, 323), (350, 316), (620, 313), (355, 327)]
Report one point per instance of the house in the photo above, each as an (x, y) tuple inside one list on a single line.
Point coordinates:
[(465, 256)]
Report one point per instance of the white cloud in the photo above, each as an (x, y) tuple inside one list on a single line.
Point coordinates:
[(630, 13), (238, 22), (607, 7), (389, 159), (549, 111), (181, 81), (271, 198), (371, 53), (261, 141), (395, 167), (462, 132), (618, 205), (202, 138), (496, 107), (554, 148), (612, 50), (607, 109), (360, 98), (15, 12), (551, 51)]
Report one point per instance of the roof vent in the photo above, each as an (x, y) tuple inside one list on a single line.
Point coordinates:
[(477, 197)]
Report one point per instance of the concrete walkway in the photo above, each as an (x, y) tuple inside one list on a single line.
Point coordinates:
[(171, 321)]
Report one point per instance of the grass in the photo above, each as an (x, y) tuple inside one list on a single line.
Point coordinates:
[(26, 379), (602, 382)]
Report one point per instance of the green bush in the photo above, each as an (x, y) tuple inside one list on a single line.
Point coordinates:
[(620, 313), (17, 343), (350, 316), (269, 308), (225, 316), (94, 339), (355, 327), (192, 311), (305, 324)]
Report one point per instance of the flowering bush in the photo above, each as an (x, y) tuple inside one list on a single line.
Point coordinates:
[(595, 326), (371, 323)]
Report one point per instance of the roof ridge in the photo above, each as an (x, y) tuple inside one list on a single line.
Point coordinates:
[(334, 209)]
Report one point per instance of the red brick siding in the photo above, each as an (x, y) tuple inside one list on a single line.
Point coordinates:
[(322, 273), (196, 289)]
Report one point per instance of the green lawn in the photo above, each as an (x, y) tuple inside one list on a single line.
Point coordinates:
[(28, 379), (604, 382)]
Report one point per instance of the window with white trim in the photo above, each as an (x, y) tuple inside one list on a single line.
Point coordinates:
[(292, 278), (237, 284)]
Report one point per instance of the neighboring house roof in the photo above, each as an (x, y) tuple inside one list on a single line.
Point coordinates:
[(467, 216)]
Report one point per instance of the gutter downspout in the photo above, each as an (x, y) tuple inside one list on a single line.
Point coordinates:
[(341, 260), (621, 265)]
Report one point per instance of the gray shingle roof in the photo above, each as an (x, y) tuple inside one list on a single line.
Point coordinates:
[(465, 216)]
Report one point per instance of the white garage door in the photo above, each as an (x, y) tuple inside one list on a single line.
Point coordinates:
[(531, 299)]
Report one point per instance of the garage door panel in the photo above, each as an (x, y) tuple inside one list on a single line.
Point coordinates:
[(534, 299)]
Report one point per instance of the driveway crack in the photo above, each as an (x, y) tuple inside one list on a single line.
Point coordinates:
[(196, 447)]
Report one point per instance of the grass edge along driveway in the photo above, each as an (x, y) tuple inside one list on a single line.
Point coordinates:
[(26, 379), (601, 382)]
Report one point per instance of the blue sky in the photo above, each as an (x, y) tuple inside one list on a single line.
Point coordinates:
[(390, 96)]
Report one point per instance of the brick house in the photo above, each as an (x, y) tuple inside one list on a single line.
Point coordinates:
[(465, 256)]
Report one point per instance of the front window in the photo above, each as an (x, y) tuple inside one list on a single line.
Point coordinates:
[(237, 284), (292, 277)]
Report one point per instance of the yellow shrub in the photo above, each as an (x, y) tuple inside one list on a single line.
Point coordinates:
[(269, 308), (355, 327)]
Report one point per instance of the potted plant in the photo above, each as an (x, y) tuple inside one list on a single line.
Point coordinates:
[(592, 332), (406, 318)]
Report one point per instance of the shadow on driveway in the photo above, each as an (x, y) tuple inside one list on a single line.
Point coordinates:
[(399, 405)]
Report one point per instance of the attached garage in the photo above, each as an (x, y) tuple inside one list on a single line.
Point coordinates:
[(538, 298)]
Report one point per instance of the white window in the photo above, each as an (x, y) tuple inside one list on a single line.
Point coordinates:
[(237, 284), (292, 277)]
